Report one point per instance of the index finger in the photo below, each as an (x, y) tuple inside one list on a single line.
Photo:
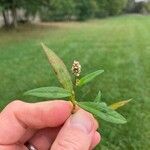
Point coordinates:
[(18, 116)]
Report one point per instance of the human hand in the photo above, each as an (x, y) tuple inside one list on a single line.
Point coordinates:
[(47, 126)]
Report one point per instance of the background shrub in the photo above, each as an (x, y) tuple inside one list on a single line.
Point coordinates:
[(85, 9), (58, 10), (102, 10), (116, 7)]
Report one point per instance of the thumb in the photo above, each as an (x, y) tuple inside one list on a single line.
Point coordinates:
[(77, 132)]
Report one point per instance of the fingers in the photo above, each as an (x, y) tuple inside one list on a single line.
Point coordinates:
[(13, 147), (19, 116), (44, 138), (28, 134), (77, 133), (96, 139)]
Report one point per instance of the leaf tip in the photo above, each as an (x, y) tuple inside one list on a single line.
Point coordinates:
[(42, 44), (25, 93), (129, 100), (44, 47), (98, 97), (103, 71), (124, 121)]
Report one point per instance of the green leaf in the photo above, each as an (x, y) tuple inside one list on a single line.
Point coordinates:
[(89, 77), (98, 97), (102, 111), (59, 69), (119, 104), (49, 92)]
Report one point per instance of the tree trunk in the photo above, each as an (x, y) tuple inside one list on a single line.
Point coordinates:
[(6, 18), (14, 14)]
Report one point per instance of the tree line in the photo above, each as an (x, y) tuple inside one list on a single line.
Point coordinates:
[(60, 10)]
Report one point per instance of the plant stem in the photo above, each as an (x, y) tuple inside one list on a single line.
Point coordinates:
[(73, 97), (73, 101)]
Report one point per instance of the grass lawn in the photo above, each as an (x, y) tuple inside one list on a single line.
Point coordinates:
[(119, 45)]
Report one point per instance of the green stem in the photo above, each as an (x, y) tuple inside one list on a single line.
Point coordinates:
[(73, 97), (73, 101)]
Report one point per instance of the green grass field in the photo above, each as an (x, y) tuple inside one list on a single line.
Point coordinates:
[(119, 45)]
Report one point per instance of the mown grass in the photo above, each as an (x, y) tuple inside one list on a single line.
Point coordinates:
[(118, 45)]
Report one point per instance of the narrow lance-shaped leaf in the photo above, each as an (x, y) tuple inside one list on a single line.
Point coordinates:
[(89, 77), (49, 92), (102, 111), (59, 69), (98, 97), (119, 104)]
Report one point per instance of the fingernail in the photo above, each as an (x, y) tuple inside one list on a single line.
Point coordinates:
[(82, 121)]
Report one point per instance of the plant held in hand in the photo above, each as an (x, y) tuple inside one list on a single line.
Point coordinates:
[(97, 108)]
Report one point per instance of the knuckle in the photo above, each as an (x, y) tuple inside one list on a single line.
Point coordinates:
[(14, 104)]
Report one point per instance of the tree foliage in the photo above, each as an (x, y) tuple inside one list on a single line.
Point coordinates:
[(130, 6), (30, 6), (85, 9), (102, 10), (116, 7), (81, 9), (59, 10)]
